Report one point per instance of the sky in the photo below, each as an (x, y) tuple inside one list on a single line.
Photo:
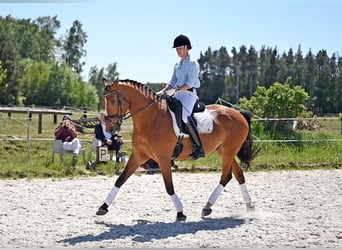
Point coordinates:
[(138, 34)]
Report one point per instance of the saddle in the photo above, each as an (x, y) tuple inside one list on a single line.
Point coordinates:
[(176, 107)]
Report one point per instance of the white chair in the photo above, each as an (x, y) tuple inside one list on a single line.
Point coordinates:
[(94, 144), (58, 148)]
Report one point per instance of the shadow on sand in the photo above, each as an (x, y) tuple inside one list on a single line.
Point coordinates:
[(144, 231)]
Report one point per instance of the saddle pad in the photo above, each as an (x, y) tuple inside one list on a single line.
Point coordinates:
[(205, 123)]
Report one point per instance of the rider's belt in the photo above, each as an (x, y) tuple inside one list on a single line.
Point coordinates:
[(191, 89)]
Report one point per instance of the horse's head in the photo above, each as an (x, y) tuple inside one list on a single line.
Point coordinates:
[(115, 104)]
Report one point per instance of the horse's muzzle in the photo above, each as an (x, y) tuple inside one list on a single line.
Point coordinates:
[(113, 126)]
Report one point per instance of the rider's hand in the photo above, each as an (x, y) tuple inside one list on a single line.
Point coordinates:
[(160, 93)]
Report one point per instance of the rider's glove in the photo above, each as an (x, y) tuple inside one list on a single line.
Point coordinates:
[(160, 93)]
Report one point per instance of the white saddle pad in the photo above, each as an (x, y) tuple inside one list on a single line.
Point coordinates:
[(205, 123)]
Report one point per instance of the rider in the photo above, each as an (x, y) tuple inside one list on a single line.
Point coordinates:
[(185, 80)]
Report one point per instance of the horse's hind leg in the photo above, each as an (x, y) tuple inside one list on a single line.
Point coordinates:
[(239, 176), (225, 178)]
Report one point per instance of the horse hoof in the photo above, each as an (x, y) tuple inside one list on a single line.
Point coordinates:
[(180, 216), (206, 211), (102, 211)]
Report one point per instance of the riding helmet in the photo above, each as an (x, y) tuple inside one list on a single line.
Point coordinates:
[(182, 40)]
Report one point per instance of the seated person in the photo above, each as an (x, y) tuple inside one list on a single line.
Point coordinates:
[(113, 142), (66, 132)]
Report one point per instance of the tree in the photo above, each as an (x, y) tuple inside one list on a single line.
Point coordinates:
[(333, 91), (34, 80), (213, 71), (112, 73), (278, 101), (47, 42), (9, 55), (298, 71), (73, 47), (95, 79), (252, 69), (323, 81), (83, 94), (96, 75), (272, 70), (22, 39), (339, 84), (54, 84), (2, 73)]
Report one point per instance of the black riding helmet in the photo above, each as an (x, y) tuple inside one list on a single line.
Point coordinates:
[(182, 40)]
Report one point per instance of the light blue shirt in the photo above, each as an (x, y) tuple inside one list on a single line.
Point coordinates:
[(186, 72)]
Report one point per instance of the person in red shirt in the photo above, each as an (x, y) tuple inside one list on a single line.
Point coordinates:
[(66, 132)]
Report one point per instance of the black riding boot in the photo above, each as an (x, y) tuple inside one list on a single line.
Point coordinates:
[(192, 130)]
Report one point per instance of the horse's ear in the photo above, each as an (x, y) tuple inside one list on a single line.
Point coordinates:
[(104, 82)]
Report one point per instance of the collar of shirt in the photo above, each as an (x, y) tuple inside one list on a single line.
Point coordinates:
[(186, 60)]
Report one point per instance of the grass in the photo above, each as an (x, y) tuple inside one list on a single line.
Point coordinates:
[(30, 157)]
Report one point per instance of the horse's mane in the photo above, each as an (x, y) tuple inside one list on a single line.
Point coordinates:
[(142, 88)]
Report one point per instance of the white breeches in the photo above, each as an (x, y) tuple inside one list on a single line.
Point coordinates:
[(188, 100), (73, 146)]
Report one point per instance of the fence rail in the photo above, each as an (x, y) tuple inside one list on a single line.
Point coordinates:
[(127, 140)]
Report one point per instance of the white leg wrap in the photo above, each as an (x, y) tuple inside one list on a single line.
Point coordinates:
[(245, 193), (177, 203), (112, 194), (213, 197)]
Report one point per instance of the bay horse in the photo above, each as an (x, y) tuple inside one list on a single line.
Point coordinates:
[(154, 138)]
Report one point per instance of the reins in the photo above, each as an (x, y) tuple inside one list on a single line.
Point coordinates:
[(140, 110)]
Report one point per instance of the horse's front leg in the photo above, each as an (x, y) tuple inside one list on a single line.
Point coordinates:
[(165, 168), (132, 165)]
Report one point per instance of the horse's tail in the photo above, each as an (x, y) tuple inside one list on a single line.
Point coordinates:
[(248, 151)]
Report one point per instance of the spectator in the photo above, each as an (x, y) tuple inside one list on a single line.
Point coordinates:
[(66, 132), (113, 142)]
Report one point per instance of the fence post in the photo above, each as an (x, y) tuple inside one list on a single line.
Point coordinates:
[(28, 136), (84, 113), (40, 123)]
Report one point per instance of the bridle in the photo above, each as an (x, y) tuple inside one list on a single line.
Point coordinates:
[(120, 116)]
